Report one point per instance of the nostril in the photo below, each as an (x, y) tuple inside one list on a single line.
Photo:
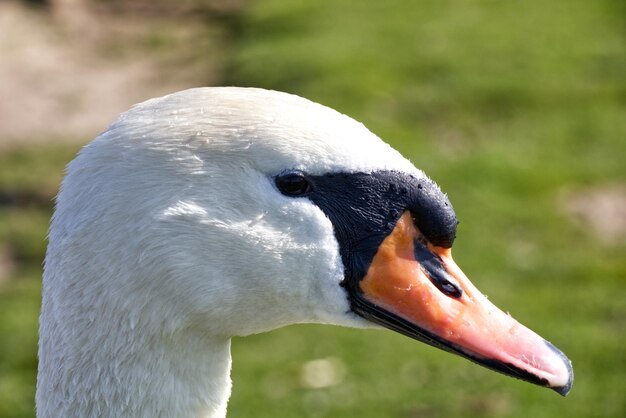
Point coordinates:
[(450, 289), (436, 272)]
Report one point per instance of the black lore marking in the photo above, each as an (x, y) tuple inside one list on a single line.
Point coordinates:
[(364, 209)]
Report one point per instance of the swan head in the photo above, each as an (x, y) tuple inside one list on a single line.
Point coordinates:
[(231, 211)]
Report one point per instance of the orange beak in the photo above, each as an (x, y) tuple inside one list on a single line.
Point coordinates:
[(418, 290)]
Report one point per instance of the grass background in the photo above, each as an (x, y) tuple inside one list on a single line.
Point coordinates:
[(510, 106)]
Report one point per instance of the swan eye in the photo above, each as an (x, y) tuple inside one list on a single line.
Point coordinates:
[(293, 184)]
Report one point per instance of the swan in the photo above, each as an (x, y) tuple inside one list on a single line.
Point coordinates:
[(220, 212)]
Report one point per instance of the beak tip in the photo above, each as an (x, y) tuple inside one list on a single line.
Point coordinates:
[(564, 389)]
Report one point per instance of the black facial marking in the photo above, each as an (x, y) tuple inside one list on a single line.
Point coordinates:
[(364, 209)]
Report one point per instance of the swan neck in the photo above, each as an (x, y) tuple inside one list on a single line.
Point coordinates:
[(178, 376)]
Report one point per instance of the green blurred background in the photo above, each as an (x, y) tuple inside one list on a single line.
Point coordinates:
[(517, 109)]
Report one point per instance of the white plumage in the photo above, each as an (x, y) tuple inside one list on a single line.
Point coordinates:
[(169, 237)]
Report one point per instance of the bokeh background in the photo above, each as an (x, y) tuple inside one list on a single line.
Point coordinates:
[(516, 108)]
